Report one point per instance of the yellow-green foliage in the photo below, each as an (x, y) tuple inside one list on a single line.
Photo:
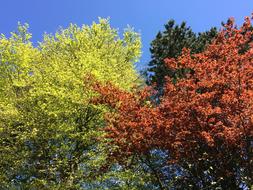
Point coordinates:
[(48, 128)]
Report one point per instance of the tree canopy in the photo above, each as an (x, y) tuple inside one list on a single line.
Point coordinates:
[(75, 113), (203, 122), (49, 129), (169, 43)]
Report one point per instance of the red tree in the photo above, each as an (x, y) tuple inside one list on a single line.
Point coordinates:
[(204, 120)]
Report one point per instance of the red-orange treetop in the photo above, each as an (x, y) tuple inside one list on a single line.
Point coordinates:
[(208, 114)]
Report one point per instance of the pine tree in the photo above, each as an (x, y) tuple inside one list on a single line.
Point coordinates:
[(169, 43)]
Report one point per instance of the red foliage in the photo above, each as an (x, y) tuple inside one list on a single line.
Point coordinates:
[(131, 121), (213, 103), (207, 114)]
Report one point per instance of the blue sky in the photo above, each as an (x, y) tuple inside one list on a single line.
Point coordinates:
[(146, 16)]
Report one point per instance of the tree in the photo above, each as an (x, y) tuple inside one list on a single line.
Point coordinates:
[(203, 122), (169, 43), (49, 128)]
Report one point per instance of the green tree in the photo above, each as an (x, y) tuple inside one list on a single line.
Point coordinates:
[(49, 129), (169, 44)]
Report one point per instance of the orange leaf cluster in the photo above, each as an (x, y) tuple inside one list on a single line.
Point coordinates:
[(208, 112)]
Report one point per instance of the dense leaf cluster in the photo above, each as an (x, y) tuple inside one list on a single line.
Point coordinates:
[(203, 122), (75, 114), (169, 43), (49, 129)]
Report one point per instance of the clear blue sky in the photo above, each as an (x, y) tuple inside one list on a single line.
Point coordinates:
[(146, 16)]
